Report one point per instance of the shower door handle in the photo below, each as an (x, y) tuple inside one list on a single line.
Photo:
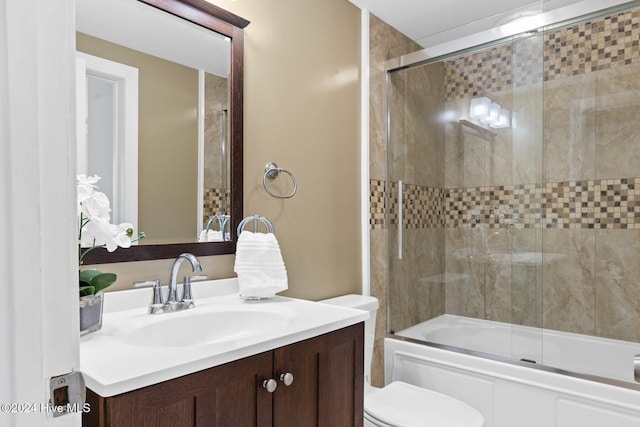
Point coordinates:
[(636, 368), (400, 219)]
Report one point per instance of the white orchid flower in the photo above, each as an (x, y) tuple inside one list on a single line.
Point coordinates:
[(103, 233), (86, 186), (120, 237), (94, 211), (96, 207)]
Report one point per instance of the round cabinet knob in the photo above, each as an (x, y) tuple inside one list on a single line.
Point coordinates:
[(287, 378), (270, 385)]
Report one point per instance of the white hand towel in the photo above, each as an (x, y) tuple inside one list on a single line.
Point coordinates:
[(210, 236), (259, 265)]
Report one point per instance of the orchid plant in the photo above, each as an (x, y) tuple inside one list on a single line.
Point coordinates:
[(96, 231)]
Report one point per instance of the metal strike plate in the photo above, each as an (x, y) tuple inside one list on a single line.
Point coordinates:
[(67, 394), (636, 368)]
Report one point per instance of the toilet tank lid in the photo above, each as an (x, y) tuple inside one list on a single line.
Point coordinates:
[(362, 302)]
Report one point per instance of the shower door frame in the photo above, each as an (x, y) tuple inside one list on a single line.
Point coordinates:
[(487, 39)]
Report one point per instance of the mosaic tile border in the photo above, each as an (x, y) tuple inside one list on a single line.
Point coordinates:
[(598, 204), (599, 44), (216, 202), (377, 203)]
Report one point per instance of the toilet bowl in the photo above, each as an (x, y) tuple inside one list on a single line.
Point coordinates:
[(400, 404)]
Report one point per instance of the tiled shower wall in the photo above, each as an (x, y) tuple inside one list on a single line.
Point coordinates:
[(538, 224), (216, 193), (385, 43)]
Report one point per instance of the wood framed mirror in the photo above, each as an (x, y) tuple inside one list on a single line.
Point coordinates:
[(209, 20)]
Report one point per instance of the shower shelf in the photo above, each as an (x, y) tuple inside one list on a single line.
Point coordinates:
[(478, 130)]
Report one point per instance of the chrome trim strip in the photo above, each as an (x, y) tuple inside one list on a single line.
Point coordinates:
[(538, 366), (567, 15)]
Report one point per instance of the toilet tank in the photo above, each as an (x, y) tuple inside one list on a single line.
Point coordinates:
[(361, 302)]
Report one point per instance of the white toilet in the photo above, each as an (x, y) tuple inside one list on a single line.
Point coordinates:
[(401, 404)]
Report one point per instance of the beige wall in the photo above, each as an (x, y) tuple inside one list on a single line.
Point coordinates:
[(301, 111)]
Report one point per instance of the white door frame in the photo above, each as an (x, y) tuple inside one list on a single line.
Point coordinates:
[(39, 298), (124, 203)]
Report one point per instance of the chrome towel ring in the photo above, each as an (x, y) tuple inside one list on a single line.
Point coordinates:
[(268, 225), (271, 171)]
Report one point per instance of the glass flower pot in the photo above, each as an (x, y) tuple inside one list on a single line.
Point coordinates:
[(91, 313)]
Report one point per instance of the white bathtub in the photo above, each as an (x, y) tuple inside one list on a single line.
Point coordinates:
[(584, 382)]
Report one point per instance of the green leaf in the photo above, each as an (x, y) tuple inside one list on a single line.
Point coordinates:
[(87, 290), (87, 275), (102, 281)]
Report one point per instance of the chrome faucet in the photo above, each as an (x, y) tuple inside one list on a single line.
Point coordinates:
[(172, 297), (158, 304)]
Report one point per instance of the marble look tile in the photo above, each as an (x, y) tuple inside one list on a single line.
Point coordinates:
[(617, 118), (454, 147), (426, 89), (498, 275), (569, 132), (499, 161), (386, 42), (569, 280), (377, 125), (399, 148), (464, 292), (413, 295), (378, 42), (526, 275), (527, 137), (378, 241), (525, 240), (498, 292), (416, 137), (430, 263), (474, 152), (526, 304), (377, 364), (617, 290)]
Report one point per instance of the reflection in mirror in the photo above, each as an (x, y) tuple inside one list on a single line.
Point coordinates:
[(186, 153), (107, 104)]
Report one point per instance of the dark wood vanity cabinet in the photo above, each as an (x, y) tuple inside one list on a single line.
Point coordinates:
[(327, 391)]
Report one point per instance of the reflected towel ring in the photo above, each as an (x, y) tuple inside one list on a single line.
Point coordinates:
[(223, 221), (271, 171)]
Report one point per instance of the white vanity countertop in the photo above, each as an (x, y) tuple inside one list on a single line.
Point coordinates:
[(111, 365)]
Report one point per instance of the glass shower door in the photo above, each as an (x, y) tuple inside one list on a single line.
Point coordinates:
[(464, 197)]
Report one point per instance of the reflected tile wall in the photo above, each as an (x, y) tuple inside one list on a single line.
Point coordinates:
[(216, 202)]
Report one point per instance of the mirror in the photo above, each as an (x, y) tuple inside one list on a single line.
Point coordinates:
[(192, 145)]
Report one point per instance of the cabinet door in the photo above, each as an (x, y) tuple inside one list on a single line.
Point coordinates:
[(227, 395), (328, 373)]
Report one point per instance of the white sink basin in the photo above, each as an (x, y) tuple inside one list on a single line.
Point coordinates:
[(135, 349), (193, 328)]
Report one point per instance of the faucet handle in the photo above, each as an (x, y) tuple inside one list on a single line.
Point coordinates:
[(195, 278), (156, 300), (186, 291)]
